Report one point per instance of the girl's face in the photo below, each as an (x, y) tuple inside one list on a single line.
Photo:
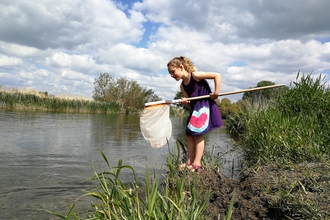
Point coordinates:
[(175, 72)]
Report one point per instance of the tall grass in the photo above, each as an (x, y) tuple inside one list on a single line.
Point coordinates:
[(295, 127), (289, 142), (15, 99), (178, 112), (175, 198)]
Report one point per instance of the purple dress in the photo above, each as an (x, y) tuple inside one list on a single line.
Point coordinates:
[(204, 114)]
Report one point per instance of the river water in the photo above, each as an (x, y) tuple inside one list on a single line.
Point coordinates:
[(47, 158)]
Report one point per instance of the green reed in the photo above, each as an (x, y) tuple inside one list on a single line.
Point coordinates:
[(289, 139), (38, 101), (295, 127), (175, 198)]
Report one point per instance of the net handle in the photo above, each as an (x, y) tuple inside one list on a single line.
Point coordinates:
[(208, 96)]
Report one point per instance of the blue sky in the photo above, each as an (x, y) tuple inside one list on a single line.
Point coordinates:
[(62, 46)]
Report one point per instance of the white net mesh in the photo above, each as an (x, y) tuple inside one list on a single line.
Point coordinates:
[(155, 125)]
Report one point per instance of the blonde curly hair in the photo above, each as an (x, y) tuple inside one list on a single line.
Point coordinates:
[(184, 61)]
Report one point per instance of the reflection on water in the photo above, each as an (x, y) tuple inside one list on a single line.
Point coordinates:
[(45, 158)]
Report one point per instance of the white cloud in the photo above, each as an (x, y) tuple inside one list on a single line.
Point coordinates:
[(18, 50), (6, 61), (141, 60), (67, 24), (62, 46), (72, 61), (73, 75), (11, 80)]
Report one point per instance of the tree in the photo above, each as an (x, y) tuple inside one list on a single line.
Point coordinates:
[(227, 108), (126, 92), (260, 96), (179, 95), (102, 86)]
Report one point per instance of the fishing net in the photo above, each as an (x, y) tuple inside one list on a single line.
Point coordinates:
[(155, 125)]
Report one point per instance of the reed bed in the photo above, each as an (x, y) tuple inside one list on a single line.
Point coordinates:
[(295, 127), (288, 142), (31, 100), (174, 198)]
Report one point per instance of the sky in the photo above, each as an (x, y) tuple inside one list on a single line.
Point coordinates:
[(62, 46)]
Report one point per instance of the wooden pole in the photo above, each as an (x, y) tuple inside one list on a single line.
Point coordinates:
[(208, 96)]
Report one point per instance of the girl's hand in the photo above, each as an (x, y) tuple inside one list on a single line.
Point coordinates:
[(214, 96), (185, 101)]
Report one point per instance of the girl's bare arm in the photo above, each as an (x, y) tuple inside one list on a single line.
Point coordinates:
[(184, 101), (210, 75)]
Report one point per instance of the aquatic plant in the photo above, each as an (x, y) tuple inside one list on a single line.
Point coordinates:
[(15, 99), (172, 199), (289, 140), (295, 127)]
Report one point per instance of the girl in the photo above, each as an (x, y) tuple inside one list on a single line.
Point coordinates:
[(204, 114)]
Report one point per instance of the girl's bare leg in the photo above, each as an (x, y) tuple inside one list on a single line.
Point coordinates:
[(199, 150), (191, 149)]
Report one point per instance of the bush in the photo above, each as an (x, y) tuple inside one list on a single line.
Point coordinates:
[(296, 127)]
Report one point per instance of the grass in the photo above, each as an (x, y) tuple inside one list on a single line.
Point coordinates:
[(178, 112), (31, 100), (295, 127), (175, 198), (289, 141)]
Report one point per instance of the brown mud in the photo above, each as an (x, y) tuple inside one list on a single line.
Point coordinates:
[(258, 192)]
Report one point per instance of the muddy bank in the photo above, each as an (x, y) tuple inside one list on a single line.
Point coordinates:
[(270, 192)]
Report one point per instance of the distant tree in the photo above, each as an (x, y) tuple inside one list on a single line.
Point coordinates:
[(102, 86), (243, 105), (127, 92), (179, 95), (260, 96), (227, 108)]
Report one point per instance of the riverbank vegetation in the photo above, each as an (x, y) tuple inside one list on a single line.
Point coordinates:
[(294, 127), (109, 96), (181, 195), (128, 93), (286, 144), (32, 100)]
